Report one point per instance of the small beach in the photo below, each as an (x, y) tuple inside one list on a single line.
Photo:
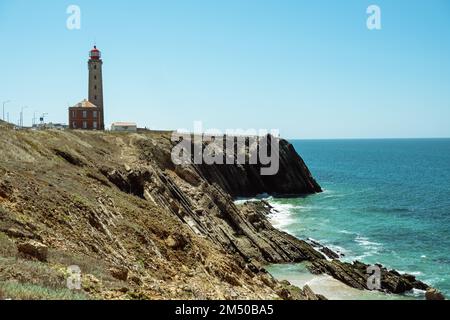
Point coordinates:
[(332, 289)]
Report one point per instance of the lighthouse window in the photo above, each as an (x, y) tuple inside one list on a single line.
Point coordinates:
[(95, 87), (95, 66), (95, 77)]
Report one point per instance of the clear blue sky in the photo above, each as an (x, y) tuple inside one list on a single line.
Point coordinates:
[(309, 68)]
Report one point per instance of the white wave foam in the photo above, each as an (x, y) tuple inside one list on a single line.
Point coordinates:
[(281, 215), (260, 197), (413, 273), (326, 194), (418, 291), (347, 232), (365, 242), (371, 248)]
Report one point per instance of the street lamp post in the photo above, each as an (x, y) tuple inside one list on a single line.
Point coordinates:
[(4, 102), (21, 116), (34, 118)]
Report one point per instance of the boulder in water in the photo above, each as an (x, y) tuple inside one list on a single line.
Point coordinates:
[(434, 294)]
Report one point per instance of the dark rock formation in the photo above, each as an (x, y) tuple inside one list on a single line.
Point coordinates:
[(356, 275), (210, 212), (70, 157), (293, 177), (433, 294), (34, 249), (119, 273), (289, 292), (325, 250)]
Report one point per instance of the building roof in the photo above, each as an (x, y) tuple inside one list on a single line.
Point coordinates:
[(124, 124), (85, 104)]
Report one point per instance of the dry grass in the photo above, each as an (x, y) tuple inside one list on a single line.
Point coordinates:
[(20, 291), (32, 280), (33, 272), (7, 247), (87, 265)]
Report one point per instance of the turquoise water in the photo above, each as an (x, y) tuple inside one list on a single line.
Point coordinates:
[(385, 201)]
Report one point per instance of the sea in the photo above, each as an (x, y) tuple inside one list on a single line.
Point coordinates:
[(384, 201)]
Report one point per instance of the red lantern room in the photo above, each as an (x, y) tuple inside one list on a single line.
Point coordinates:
[(95, 54)]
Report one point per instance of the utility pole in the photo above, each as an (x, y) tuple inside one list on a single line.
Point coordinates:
[(4, 102), (34, 117), (21, 116)]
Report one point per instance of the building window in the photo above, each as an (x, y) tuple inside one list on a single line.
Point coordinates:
[(95, 114), (95, 124), (74, 125), (84, 114), (84, 124), (73, 114)]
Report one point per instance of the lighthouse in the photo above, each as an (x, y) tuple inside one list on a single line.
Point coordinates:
[(95, 77), (88, 114), (96, 82)]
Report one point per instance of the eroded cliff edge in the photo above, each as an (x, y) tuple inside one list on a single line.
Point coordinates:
[(140, 227), (293, 177)]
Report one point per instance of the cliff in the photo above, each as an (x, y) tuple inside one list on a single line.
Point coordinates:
[(293, 177), (139, 227)]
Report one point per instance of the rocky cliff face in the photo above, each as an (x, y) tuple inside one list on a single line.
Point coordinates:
[(293, 177), (137, 226), (140, 227)]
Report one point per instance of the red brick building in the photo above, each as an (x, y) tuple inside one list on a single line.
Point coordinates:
[(85, 116)]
